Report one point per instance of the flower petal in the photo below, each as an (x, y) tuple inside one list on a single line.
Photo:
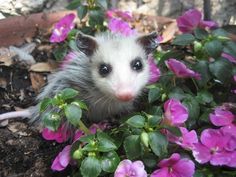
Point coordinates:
[(201, 153), (64, 156), (221, 117), (123, 168), (170, 161), (184, 167), (213, 139), (163, 172)]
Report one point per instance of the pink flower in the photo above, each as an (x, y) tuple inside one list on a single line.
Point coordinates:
[(62, 159), (229, 57), (181, 70), (121, 27), (230, 132), (62, 28), (221, 117), (211, 149), (186, 141), (192, 19), (60, 136), (115, 13), (175, 167), (68, 58), (155, 72), (175, 112), (126, 168)]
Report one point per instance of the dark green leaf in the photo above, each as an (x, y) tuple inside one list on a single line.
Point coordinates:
[(137, 121), (60, 52), (68, 93), (184, 39), (102, 3), (81, 104), (221, 69), (200, 33), (155, 110), (230, 48), (51, 120), (204, 97), (198, 174), (202, 68), (220, 32), (73, 114), (110, 161), (45, 103), (82, 11), (90, 167), (144, 138), (214, 48), (132, 146), (87, 138), (158, 143), (177, 93), (154, 94), (150, 160), (171, 54), (174, 130), (154, 120), (96, 17), (105, 143), (73, 5)]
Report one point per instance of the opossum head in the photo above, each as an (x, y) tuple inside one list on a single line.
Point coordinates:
[(119, 65)]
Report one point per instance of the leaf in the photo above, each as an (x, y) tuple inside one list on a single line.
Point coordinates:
[(171, 54), (105, 144), (69, 93), (102, 3), (204, 97), (132, 146), (51, 120), (184, 39), (82, 11), (154, 94), (90, 167), (81, 104), (45, 103), (200, 33), (136, 121), (214, 48), (110, 161), (73, 114), (150, 160), (174, 130), (73, 5), (169, 32), (220, 32), (221, 69), (60, 52), (96, 17), (193, 110), (154, 120), (203, 70), (230, 48), (158, 143), (43, 67), (177, 93), (87, 138)]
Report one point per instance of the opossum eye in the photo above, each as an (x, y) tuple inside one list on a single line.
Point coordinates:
[(136, 64), (104, 69)]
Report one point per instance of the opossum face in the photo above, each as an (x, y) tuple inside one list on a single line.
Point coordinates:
[(119, 66)]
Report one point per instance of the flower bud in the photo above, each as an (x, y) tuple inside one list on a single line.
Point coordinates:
[(197, 46), (144, 138), (77, 154)]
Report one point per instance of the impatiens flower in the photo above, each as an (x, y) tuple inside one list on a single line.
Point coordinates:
[(126, 168), (115, 13), (62, 159), (221, 117), (175, 112), (228, 57), (175, 167), (229, 131), (211, 148), (192, 19), (186, 141), (180, 69), (155, 72), (121, 27), (62, 28), (60, 136)]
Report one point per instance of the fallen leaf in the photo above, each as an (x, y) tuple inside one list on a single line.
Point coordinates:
[(37, 81), (5, 57), (169, 32), (42, 67)]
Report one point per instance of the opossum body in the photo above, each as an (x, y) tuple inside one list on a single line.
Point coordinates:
[(109, 71)]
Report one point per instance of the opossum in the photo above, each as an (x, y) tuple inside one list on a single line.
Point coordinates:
[(110, 72)]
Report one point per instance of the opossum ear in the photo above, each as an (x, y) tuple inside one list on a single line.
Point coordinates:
[(149, 42), (86, 44)]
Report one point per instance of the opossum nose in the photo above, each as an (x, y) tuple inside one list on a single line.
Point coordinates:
[(124, 96)]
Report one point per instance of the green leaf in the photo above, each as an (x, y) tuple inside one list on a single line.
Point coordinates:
[(154, 94), (174, 130), (200, 33), (132, 146), (144, 138), (51, 120), (198, 173), (102, 3), (230, 48), (110, 161), (60, 52), (82, 11), (96, 17), (73, 5), (184, 39), (73, 114), (81, 104), (154, 120), (221, 69), (136, 121), (87, 138), (69, 93), (220, 32), (158, 143), (149, 160), (90, 167), (214, 48), (105, 144), (202, 68), (45, 103), (204, 97), (177, 93), (193, 110)]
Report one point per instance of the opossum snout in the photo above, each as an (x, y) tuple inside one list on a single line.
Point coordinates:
[(124, 95)]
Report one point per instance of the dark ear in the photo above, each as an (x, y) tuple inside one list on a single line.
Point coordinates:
[(86, 44), (149, 42)]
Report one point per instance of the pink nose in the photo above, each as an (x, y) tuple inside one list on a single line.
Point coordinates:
[(125, 96)]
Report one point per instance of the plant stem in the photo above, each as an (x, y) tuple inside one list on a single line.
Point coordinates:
[(84, 128)]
